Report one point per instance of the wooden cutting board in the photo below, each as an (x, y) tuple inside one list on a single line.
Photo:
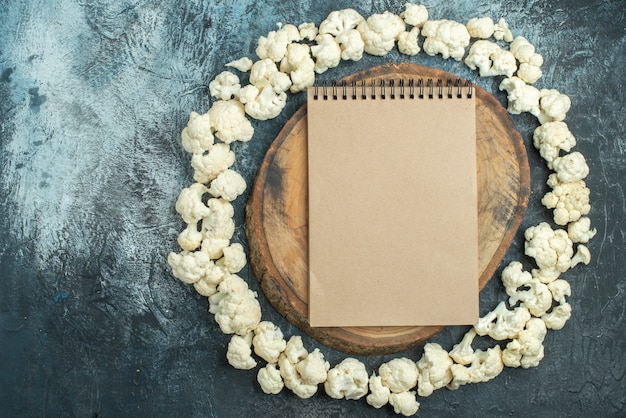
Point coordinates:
[(276, 214)]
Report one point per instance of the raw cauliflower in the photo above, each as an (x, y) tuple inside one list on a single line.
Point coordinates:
[(342, 25), (530, 62), (190, 205), (348, 379), (225, 86), (242, 64), (300, 67), (189, 267), (482, 27), (521, 96), (274, 45), (239, 354), (265, 73), (501, 31), (522, 287), (490, 59), (379, 393), (265, 103), (483, 367), (580, 230), (380, 32), (270, 380), (551, 249), (302, 372), (527, 349), (571, 167), (197, 136), (236, 309), (570, 201), (414, 14), (190, 238), (208, 165), (559, 315), (308, 31), (233, 259), (583, 255), (551, 138), (553, 105), (268, 342), (404, 403), (228, 185), (407, 42), (434, 369), (229, 122), (399, 374), (502, 323), (326, 51), (445, 37)]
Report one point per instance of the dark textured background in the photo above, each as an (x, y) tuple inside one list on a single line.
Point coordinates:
[(93, 95)]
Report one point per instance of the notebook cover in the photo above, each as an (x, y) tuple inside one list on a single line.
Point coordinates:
[(392, 211)]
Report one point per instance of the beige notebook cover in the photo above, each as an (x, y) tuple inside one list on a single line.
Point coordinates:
[(392, 210)]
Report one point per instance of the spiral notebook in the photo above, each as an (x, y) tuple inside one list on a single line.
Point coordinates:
[(392, 204)]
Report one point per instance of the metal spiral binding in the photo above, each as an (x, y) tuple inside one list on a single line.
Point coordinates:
[(381, 89)]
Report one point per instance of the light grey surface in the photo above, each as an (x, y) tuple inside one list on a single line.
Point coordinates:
[(93, 96)]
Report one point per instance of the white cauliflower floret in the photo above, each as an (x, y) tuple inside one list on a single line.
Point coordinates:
[(552, 137), (225, 86), (208, 165), (190, 238), (530, 61), (239, 354), (205, 289), (482, 27), (580, 230), (407, 42), (521, 96), (342, 25), (228, 185), (348, 379), (214, 247), (484, 366), (502, 32), (300, 67), (263, 104), (557, 318), (404, 403), (513, 277), (302, 372), (236, 309), (268, 341), (274, 45), (501, 323), (490, 59), (554, 105), (233, 260), (527, 349), (463, 353), (379, 394), (219, 223), (243, 64), (380, 32), (571, 167), (434, 369), (522, 287), (414, 14), (270, 380), (327, 53), (583, 255), (229, 122), (551, 249), (265, 73), (399, 374), (529, 73), (445, 37), (190, 205), (570, 201), (197, 137), (189, 267), (308, 31)]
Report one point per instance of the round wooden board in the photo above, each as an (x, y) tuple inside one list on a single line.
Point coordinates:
[(277, 228)]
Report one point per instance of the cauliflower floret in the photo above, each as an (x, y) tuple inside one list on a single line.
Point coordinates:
[(580, 230), (551, 249), (570, 201), (554, 105), (513, 277), (557, 318), (530, 61), (265, 73), (407, 42), (236, 309), (379, 394), (208, 165), (341, 24), (399, 374), (204, 289), (571, 168), (527, 349), (239, 354), (219, 223), (434, 369), (308, 31), (414, 14), (300, 67), (501, 323), (243, 64), (268, 341), (229, 122), (404, 403), (327, 53), (228, 185), (485, 365), (214, 247), (482, 27), (490, 59), (583, 255), (233, 260), (348, 380), (529, 73), (380, 32), (552, 137), (463, 353), (225, 86), (521, 96), (274, 45), (445, 37), (190, 205), (189, 267), (502, 32), (190, 238), (196, 137), (270, 380), (522, 287), (301, 371), (263, 104)]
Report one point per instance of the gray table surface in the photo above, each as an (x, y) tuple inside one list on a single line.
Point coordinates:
[(93, 95)]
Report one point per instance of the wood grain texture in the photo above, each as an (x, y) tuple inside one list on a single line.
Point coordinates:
[(277, 227)]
